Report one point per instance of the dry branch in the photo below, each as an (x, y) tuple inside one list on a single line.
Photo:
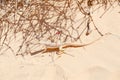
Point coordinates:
[(47, 20)]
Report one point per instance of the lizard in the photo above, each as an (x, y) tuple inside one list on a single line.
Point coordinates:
[(60, 48)]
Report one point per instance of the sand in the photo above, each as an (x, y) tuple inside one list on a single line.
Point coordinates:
[(99, 61)]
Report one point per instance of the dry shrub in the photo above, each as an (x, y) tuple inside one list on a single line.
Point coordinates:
[(46, 20)]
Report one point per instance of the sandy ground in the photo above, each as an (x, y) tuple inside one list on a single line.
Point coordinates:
[(99, 61)]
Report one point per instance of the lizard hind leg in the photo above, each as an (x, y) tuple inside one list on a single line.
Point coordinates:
[(60, 54), (63, 52), (68, 54)]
